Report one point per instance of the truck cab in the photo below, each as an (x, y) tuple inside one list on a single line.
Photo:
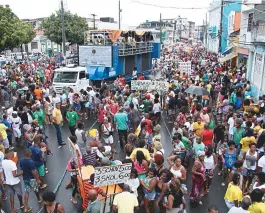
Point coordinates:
[(70, 76)]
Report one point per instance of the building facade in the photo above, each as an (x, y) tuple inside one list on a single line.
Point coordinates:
[(230, 15), (256, 67), (214, 26), (245, 48)]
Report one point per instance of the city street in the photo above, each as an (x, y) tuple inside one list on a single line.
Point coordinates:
[(58, 161)]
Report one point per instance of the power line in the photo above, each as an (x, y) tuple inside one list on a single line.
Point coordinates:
[(169, 7)]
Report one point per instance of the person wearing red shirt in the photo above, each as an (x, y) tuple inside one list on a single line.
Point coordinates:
[(89, 185), (149, 124), (122, 80), (101, 114), (114, 107), (141, 77), (207, 135)]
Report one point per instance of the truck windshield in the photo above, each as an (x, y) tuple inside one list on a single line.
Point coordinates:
[(65, 77)]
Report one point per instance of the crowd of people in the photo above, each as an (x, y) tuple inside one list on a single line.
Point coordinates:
[(218, 132)]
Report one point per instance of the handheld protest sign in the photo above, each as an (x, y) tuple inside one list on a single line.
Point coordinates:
[(149, 85), (111, 175)]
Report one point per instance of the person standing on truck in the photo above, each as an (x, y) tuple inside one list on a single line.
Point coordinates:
[(134, 74), (122, 80)]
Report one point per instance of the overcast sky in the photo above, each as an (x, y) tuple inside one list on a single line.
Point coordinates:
[(132, 13)]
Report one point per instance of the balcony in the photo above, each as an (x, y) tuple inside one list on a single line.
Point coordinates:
[(139, 48), (258, 32)]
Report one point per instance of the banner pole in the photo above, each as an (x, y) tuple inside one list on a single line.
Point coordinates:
[(106, 199), (113, 195)]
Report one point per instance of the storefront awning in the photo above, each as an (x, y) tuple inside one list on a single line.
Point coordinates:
[(91, 70), (227, 51), (243, 51), (227, 57)]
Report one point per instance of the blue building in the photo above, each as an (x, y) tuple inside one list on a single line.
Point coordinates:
[(235, 6)]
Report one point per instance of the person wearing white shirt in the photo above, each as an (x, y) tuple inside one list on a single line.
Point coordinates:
[(231, 123), (246, 202), (135, 102), (103, 151), (261, 164), (133, 182), (16, 123), (13, 185), (134, 73)]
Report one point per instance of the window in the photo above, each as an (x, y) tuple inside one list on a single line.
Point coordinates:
[(34, 45), (250, 22), (82, 74)]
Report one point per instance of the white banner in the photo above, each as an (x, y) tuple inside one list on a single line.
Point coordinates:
[(110, 175), (185, 67), (149, 85), (95, 55)]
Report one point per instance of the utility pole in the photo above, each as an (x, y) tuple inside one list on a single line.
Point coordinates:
[(120, 10), (174, 31), (221, 28), (94, 21), (160, 28), (63, 28), (206, 34)]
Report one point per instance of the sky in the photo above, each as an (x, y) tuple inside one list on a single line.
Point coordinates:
[(132, 13)]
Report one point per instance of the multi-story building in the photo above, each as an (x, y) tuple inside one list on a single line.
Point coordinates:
[(245, 48), (42, 44), (214, 26), (191, 29), (256, 63), (231, 14)]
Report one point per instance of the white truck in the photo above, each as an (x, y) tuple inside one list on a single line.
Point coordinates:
[(70, 76)]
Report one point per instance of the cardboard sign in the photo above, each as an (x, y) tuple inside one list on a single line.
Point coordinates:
[(185, 67), (149, 85), (110, 175)]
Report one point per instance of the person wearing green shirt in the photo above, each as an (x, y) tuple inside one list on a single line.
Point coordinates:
[(186, 142), (239, 133), (121, 120), (72, 118), (41, 74), (14, 84), (147, 104), (232, 99), (40, 117)]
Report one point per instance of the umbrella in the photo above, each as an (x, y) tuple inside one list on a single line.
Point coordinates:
[(196, 90)]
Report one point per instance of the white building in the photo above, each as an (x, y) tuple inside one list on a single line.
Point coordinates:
[(42, 44), (245, 49), (214, 26)]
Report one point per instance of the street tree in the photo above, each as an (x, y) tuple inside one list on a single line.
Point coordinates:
[(13, 32), (75, 27)]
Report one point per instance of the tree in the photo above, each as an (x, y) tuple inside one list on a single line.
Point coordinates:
[(75, 27), (13, 32)]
